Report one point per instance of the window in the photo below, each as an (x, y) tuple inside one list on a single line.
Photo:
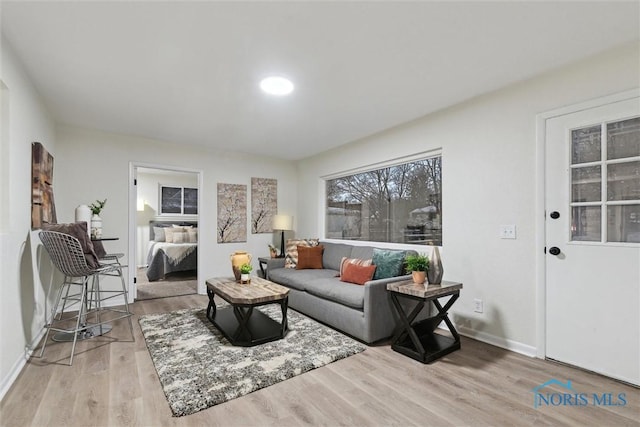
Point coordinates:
[(396, 204), (178, 200), (605, 182)]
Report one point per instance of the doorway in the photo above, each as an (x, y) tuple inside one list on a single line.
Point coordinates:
[(592, 238), (163, 231)]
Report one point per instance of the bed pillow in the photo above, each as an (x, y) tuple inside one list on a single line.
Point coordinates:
[(169, 232), (357, 274), (389, 263), (192, 235), (79, 231), (356, 261), (310, 257), (158, 234), (291, 254), (180, 237)]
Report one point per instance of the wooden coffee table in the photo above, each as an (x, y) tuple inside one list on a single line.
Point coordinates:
[(239, 322)]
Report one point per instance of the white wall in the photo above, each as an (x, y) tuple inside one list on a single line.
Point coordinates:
[(95, 164), (148, 191), (21, 291), (489, 178)]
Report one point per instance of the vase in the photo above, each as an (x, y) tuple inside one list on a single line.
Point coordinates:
[(96, 226), (419, 277), (435, 272), (245, 278), (237, 259), (83, 214)]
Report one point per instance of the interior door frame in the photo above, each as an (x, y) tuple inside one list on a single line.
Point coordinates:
[(540, 225), (133, 192)]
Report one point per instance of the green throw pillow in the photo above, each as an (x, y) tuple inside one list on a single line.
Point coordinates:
[(388, 263)]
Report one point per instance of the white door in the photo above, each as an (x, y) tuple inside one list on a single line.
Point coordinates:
[(592, 203)]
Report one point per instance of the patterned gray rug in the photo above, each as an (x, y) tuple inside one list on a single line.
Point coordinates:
[(198, 368)]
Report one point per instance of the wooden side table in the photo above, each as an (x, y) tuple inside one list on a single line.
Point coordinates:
[(418, 339), (262, 262)]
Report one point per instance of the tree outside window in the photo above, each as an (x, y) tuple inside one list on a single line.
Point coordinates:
[(395, 204)]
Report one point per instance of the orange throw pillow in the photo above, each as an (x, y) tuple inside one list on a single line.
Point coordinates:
[(310, 257), (358, 274), (356, 261)]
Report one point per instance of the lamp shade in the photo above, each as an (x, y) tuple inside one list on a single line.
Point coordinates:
[(282, 222)]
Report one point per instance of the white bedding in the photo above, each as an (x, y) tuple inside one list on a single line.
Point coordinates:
[(176, 252)]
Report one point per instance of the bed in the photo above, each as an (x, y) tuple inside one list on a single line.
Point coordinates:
[(173, 247)]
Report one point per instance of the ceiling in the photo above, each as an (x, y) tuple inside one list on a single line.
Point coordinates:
[(188, 72)]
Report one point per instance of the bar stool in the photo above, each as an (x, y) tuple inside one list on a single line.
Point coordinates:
[(68, 256)]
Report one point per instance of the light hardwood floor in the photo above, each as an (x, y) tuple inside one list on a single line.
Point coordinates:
[(114, 383)]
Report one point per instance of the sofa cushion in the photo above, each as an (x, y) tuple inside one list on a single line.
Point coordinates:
[(333, 254), (291, 257), (362, 252), (389, 263), (298, 279), (334, 290), (309, 257), (358, 274)]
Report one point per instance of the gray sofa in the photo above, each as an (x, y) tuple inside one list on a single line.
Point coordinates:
[(364, 312)]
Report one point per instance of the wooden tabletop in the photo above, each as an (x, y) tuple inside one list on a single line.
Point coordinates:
[(258, 291), (429, 291)]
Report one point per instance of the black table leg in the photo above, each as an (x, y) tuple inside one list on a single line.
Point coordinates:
[(243, 317), (405, 328), (418, 340), (211, 308), (285, 325)]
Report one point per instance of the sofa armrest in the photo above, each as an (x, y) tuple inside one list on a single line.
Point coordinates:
[(273, 263), (373, 289), (378, 309)]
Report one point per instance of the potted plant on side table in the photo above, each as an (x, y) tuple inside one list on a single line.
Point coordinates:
[(245, 271), (418, 265)]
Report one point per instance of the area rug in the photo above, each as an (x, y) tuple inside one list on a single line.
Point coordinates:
[(174, 284), (199, 368)]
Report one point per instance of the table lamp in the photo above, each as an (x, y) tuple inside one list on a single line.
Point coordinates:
[(282, 223)]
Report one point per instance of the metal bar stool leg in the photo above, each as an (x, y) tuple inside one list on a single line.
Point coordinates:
[(66, 295), (81, 317), (126, 300), (53, 314)]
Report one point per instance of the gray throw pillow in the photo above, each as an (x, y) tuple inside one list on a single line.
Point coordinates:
[(79, 231)]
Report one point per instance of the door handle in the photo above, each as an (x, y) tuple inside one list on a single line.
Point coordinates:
[(554, 250), (554, 215)]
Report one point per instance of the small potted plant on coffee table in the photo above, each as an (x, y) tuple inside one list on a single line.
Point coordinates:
[(418, 265), (245, 271)]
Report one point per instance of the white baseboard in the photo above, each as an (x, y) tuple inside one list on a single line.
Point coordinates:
[(19, 364), (507, 344)]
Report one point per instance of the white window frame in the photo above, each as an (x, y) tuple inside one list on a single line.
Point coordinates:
[(367, 168), (182, 207)]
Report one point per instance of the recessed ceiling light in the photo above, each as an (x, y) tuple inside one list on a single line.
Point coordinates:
[(276, 85)]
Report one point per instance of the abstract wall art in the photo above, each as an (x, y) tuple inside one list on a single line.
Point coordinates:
[(264, 204), (43, 209), (232, 213)]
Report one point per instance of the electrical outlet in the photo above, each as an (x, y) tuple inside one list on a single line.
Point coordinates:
[(507, 231), (478, 306)]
